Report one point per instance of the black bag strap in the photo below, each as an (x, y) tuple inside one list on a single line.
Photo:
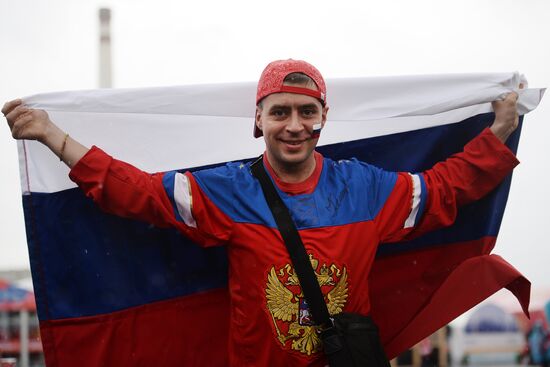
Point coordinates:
[(295, 247)]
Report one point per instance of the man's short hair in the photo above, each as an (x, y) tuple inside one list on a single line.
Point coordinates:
[(300, 79)]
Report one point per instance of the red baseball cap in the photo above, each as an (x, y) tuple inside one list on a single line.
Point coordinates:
[(274, 74)]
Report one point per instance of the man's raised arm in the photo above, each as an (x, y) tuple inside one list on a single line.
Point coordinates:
[(506, 116), (31, 124), (122, 189), (463, 178)]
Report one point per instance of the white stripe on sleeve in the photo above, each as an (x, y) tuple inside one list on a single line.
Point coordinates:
[(183, 199), (417, 191)]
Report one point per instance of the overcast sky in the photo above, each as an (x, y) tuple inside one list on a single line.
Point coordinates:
[(53, 45)]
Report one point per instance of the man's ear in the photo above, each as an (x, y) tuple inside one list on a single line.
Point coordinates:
[(324, 116), (258, 118)]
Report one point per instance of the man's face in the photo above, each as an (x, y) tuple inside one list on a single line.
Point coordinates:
[(286, 120)]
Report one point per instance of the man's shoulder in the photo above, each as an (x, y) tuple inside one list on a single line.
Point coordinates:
[(228, 169), (225, 177), (344, 162), (349, 165), (353, 170)]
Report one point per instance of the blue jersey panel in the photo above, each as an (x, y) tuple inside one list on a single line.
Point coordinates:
[(347, 192)]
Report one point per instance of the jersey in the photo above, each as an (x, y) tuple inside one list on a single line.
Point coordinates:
[(342, 212)]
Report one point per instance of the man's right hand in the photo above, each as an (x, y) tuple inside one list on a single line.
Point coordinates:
[(26, 123), (31, 124)]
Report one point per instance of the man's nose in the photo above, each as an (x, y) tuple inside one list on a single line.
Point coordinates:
[(295, 124)]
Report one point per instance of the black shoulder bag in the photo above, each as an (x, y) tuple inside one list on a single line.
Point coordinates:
[(349, 340)]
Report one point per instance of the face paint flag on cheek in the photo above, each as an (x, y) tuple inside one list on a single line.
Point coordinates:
[(316, 130)]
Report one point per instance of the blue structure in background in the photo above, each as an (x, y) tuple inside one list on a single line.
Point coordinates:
[(490, 319)]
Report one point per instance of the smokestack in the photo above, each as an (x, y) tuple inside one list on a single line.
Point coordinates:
[(105, 48)]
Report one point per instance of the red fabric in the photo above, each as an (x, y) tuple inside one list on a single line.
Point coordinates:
[(463, 178), (275, 72), (426, 289), (305, 187), (306, 91), (140, 195), (192, 329), (137, 191)]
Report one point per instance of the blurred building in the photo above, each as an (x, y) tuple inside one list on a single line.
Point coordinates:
[(432, 351), (490, 337), (19, 328)]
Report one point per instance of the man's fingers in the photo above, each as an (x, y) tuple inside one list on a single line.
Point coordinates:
[(8, 106), (510, 97), (513, 96), (19, 125), (16, 113)]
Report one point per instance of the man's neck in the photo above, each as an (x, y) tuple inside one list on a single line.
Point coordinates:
[(295, 173)]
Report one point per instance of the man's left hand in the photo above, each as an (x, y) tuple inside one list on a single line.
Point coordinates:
[(506, 116)]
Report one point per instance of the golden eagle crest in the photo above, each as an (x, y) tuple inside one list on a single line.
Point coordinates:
[(289, 311)]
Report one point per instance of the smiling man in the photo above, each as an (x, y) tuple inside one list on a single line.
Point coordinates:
[(342, 210), (290, 114)]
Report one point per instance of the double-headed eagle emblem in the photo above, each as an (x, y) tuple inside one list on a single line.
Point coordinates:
[(288, 308)]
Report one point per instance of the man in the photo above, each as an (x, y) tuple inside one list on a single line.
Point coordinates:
[(343, 210)]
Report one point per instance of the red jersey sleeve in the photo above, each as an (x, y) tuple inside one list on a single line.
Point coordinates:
[(425, 201), (169, 199)]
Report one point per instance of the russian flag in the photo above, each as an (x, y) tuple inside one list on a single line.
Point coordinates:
[(116, 292)]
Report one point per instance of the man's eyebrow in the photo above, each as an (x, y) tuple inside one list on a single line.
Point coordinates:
[(278, 107), (310, 105), (287, 107)]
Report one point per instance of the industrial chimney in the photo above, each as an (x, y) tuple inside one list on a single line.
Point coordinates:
[(105, 48)]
